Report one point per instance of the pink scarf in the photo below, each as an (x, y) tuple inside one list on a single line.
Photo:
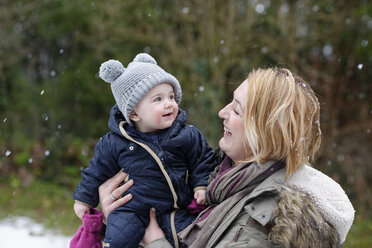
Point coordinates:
[(223, 193)]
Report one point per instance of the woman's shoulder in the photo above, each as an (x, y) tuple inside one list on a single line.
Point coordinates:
[(326, 195), (296, 222)]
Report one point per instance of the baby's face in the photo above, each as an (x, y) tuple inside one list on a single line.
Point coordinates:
[(157, 110)]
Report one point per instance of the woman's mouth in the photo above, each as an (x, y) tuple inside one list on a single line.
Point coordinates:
[(227, 131)]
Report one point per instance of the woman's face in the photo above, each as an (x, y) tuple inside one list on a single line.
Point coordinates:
[(232, 142)]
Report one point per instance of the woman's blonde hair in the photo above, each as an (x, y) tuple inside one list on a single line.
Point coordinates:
[(281, 118)]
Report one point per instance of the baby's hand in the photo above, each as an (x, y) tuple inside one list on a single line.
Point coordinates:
[(80, 209), (200, 197)]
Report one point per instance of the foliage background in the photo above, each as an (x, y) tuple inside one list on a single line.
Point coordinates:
[(54, 108)]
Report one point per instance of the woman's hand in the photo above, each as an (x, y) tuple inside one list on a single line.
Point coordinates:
[(110, 193), (153, 231)]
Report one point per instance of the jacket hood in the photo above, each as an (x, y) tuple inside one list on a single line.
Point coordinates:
[(327, 195), (298, 223), (116, 116)]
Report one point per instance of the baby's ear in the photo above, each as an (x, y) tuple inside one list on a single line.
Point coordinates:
[(134, 116)]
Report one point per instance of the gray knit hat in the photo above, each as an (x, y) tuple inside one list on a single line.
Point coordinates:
[(129, 85)]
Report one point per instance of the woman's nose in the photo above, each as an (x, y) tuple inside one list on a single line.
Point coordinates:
[(222, 113)]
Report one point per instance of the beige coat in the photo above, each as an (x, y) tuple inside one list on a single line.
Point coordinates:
[(272, 215)]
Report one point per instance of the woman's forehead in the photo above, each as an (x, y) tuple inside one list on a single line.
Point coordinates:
[(240, 94)]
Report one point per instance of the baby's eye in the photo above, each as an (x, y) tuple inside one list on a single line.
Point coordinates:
[(171, 97), (157, 99)]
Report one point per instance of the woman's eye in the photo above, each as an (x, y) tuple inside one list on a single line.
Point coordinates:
[(236, 112)]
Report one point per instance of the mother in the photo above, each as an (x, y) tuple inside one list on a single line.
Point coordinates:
[(264, 193)]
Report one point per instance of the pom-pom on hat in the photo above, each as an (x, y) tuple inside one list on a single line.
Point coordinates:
[(129, 85)]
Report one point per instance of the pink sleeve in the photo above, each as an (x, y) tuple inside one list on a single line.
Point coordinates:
[(88, 234)]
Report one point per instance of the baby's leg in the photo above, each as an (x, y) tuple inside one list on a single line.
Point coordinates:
[(181, 220), (124, 229)]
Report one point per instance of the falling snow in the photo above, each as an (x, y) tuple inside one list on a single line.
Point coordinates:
[(44, 116), (327, 50), (340, 157), (185, 10), (260, 8)]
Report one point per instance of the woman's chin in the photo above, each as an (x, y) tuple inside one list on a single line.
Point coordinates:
[(222, 144)]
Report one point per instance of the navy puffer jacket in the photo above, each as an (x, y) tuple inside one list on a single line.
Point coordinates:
[(185, 156)]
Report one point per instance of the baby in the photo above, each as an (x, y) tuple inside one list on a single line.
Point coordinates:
[(169, 161)]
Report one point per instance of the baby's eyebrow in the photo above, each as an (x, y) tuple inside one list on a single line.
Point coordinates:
[(155, 96), (162, 93)]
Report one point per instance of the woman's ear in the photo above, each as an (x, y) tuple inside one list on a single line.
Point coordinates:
[(134, 116)]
